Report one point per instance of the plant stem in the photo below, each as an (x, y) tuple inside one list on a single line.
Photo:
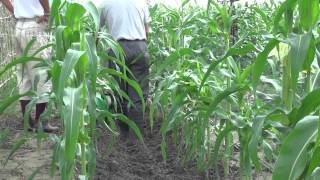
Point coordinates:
[(308, 82), (287, 94), (83, 160)]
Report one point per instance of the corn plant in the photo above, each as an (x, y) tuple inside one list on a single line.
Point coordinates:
[(81, 86), (295, 24), (201, 86), (225, 79), (200, 96)]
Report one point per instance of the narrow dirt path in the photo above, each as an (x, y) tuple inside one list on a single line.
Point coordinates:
[(121, 162), (26, 160), (142, 162)]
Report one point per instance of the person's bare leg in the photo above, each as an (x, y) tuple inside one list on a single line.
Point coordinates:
[(40, 108), (23, 104)]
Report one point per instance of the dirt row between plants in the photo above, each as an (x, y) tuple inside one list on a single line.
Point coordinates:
[(120, 162), (142, 161)]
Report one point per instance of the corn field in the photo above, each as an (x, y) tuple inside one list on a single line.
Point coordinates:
[(234, 89)]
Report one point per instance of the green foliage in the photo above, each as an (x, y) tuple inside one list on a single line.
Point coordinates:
[(207, 90), (309, 13), (201, 85), (74, 69), (221, 77), (294, 155)]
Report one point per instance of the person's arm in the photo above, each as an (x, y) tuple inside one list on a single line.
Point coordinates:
[(8, 5), (46, 9), (45, 6)]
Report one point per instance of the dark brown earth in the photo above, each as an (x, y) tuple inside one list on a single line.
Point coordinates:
[(143, 161)]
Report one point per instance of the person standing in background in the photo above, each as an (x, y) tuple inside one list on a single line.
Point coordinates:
[(32, 17), (127, 21)]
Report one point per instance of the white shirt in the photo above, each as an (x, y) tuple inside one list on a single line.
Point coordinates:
[(27, 8), (125, 19)]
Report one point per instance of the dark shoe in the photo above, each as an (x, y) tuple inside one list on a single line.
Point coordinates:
[(31, 129), (50, 129), (124, 135), (32, 126), (132, 139)]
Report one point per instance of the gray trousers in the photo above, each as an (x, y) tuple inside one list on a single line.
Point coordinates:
[(137, 60)]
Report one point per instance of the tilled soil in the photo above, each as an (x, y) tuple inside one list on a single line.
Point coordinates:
[(116, 159), (142, 161), (122, 161)]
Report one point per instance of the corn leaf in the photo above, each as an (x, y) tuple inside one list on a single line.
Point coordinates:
[(131, 82), (4, 104), (311, 54), (72, 115), (131, 124), (176, 105), (309, 13), (223, 134), (70, 61), (254, 141), (173, 58), (293, 155), (298, 54), (261, 62), (90, 46), (92, 10), (287, 5), (4, 135), (55, 15), (63, 42), (308, 105), (74, 100), (222, 95), (73, 15), (231, 52), (17, 145), (16, 61), (315, 160)]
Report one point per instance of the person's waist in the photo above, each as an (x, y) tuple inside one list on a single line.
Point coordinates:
[(131, 40), (22, 19)]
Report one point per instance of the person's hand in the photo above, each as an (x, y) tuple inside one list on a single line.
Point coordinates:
[(44, 18)]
